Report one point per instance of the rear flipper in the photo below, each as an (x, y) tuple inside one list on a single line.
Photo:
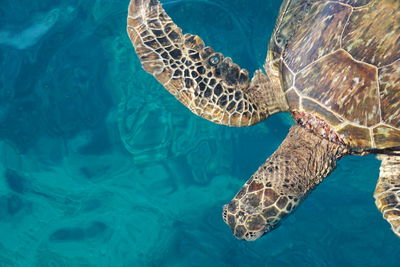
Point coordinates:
[(387, 192), (210, 85)]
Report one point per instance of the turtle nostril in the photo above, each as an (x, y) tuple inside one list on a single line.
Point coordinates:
[(252, 236)]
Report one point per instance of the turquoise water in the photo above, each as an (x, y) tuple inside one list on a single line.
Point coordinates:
[(100, 166)]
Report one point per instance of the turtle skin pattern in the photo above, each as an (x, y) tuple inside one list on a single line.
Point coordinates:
[(333, 64), (205, 81), (340, 61), (387, 192)]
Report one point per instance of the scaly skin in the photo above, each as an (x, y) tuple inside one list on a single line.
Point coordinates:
[(387, 192), (210, 85)]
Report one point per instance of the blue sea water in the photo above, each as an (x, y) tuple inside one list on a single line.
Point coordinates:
[(100, 166)]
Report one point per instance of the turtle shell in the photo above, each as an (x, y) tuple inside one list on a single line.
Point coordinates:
[(340, 61)]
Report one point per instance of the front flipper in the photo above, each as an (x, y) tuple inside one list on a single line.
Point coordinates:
[(387, 192), (210, 85)]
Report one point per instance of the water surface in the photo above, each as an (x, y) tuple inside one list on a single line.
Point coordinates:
[(100, 166)]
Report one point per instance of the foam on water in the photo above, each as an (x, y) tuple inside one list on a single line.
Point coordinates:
[(100, 166)]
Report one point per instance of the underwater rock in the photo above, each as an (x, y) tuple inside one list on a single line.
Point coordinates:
[(14, 204), (16, 181), (83, 102), (19, 124), (10, 206), (94, 230), (68, 234)]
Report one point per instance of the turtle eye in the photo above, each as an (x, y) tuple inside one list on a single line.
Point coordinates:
[(214, 60), (279, 41)]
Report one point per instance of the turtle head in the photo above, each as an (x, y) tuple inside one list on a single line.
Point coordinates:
[(256, 210), (244, 225), (281, 183)]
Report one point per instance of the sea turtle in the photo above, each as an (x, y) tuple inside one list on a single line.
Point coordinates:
[(335, 65)]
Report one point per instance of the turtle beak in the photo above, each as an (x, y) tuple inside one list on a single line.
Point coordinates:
[(239, 231)]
